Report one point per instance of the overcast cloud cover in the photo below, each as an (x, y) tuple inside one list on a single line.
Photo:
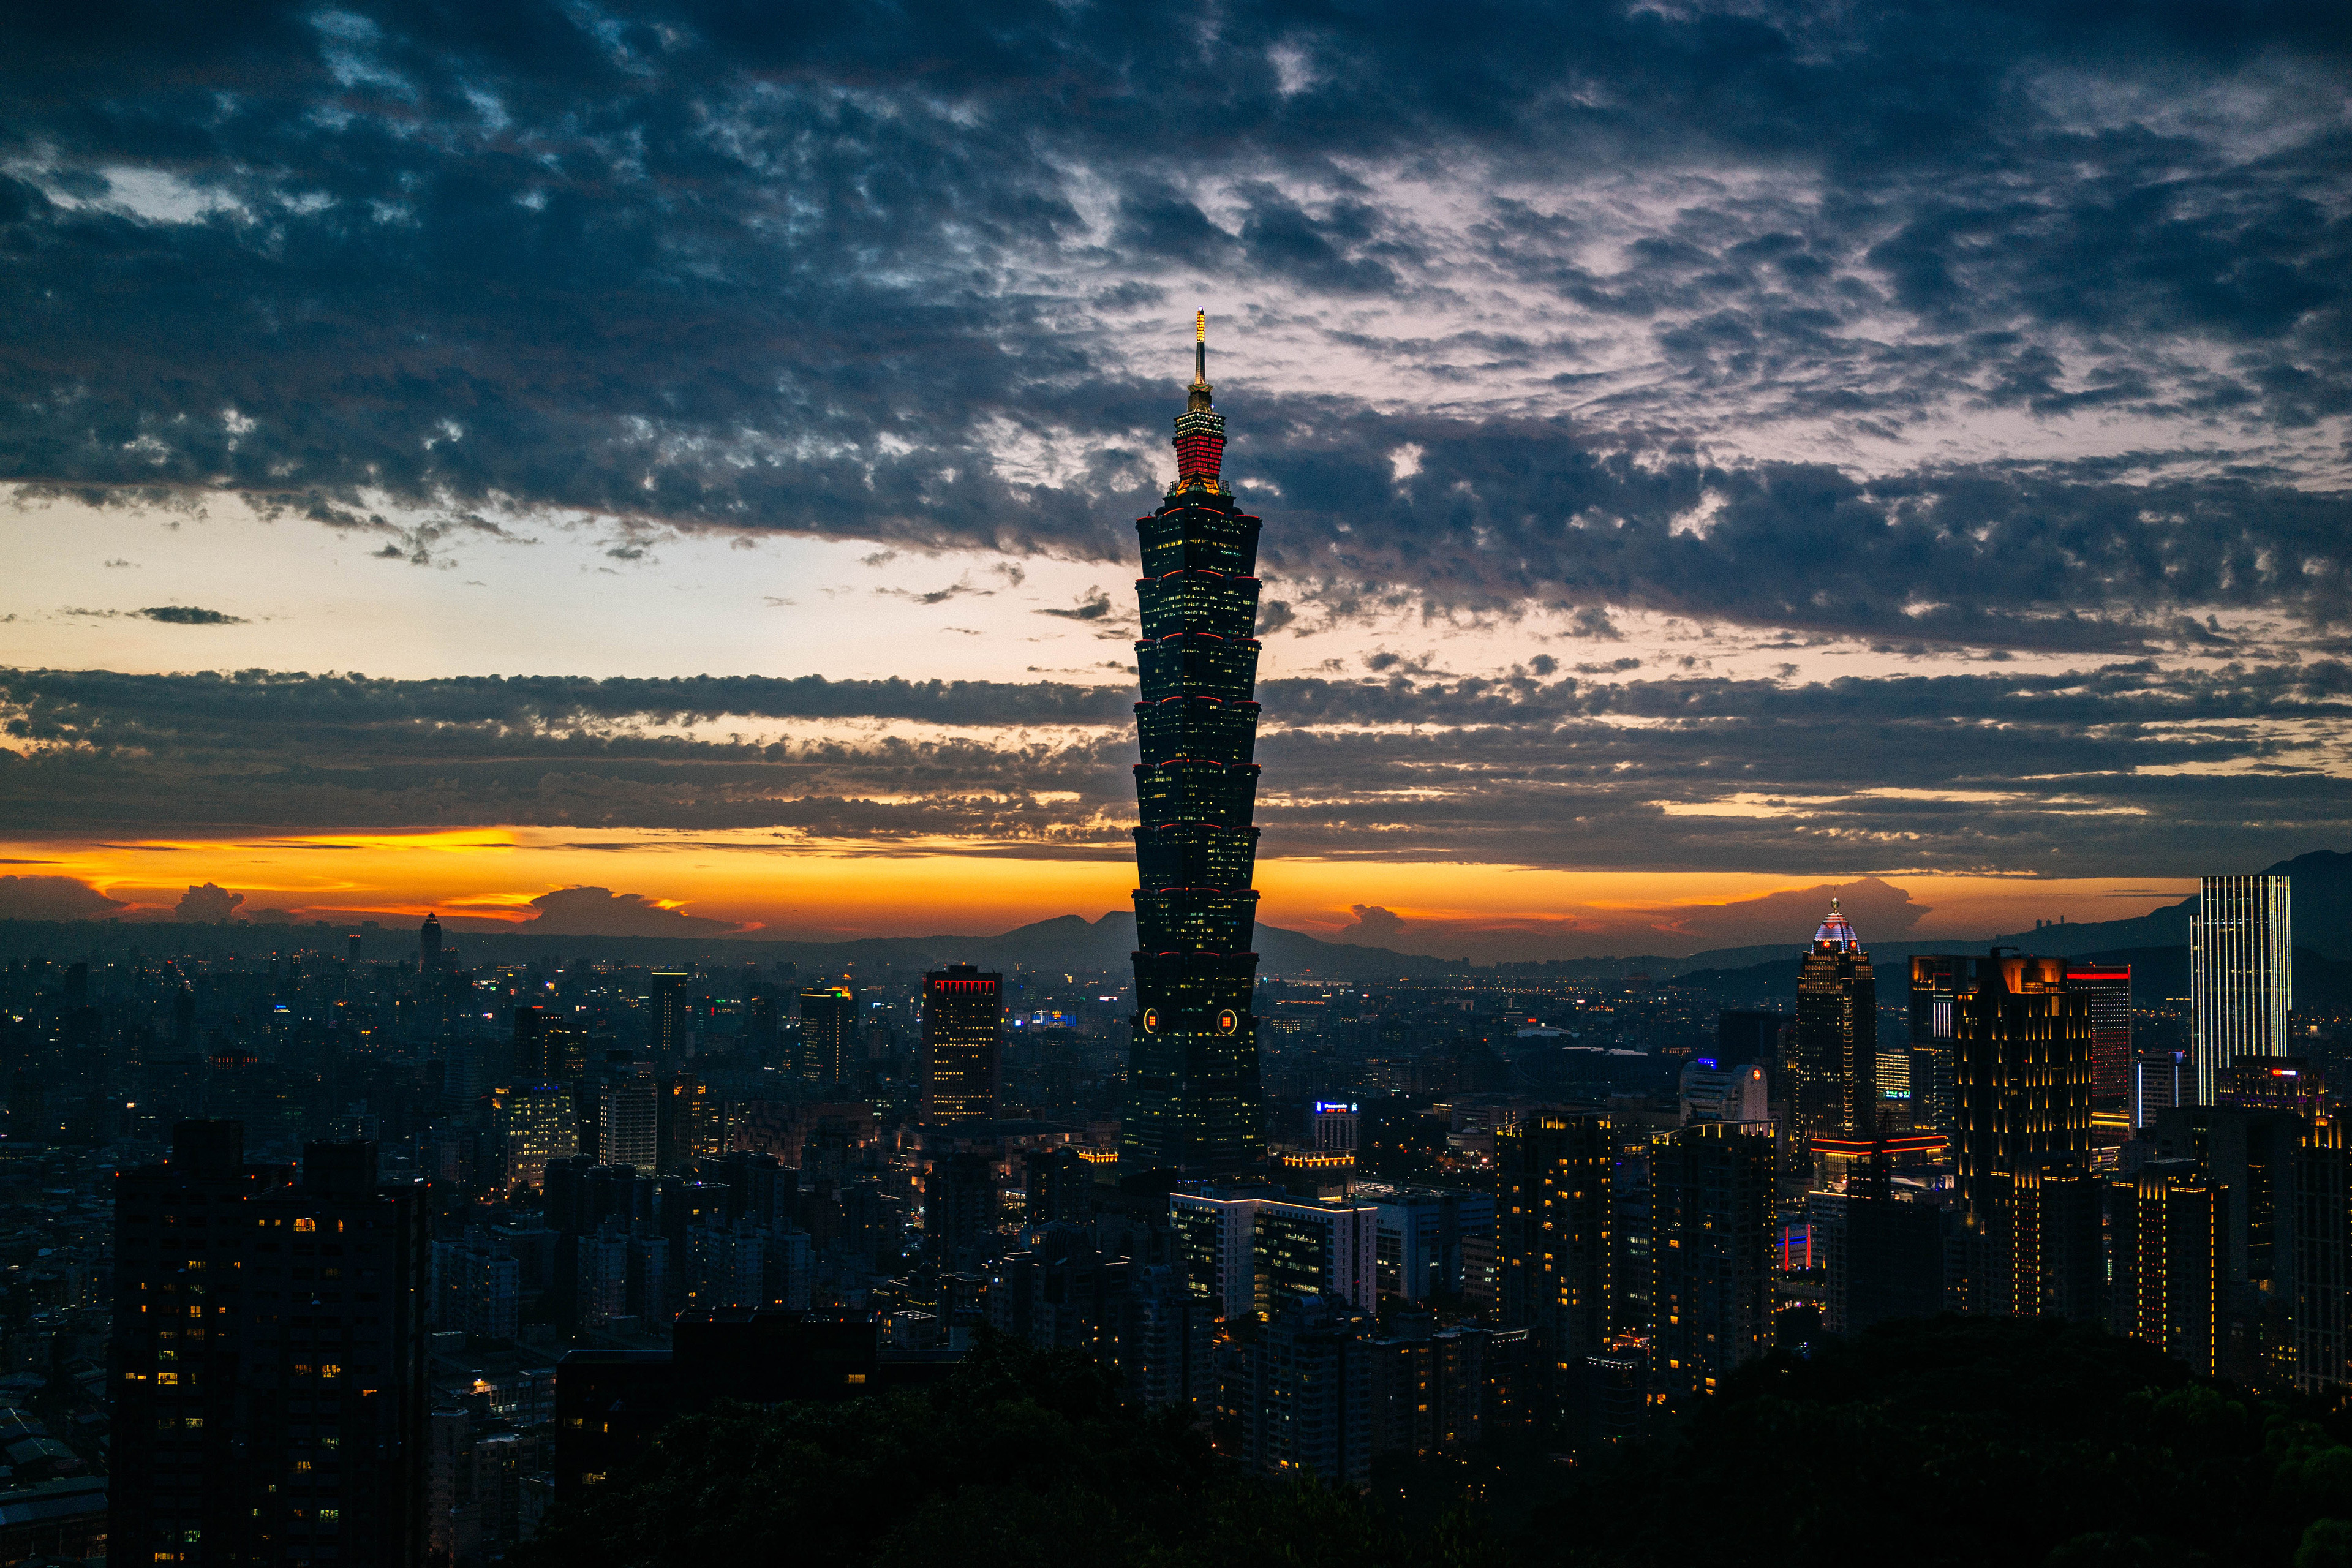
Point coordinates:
[(1957, 330)]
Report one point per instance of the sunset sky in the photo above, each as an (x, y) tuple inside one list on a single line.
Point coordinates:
[(1709, 454)]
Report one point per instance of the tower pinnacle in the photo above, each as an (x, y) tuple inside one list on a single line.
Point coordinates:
[(1200, 429)]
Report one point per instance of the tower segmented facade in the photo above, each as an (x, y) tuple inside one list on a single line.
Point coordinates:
[(1192, 1073)]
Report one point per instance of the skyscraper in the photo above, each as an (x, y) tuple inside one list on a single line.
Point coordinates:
[(268, 1358), (2170, 1267), (1835, 1094), (963, 1028), (2021, 1074), (828, 1022), (182, 1237), (667, 1002), (1711, 1253), (1193, 1091), (1554, 1223), (429, 944), (2107, 989), (2240, 974)]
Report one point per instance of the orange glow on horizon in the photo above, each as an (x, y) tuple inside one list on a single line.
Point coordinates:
[(787, 888)]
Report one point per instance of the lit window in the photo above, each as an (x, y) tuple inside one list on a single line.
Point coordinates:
[(305, 1225)]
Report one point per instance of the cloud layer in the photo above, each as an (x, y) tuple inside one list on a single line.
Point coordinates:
[(2127, 768), (1982, 323)]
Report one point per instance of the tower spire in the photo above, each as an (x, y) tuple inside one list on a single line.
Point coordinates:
[(1200, 429)]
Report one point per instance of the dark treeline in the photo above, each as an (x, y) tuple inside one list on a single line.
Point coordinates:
[(1958, 1441)]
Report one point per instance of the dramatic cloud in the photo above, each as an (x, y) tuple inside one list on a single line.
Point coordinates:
[(599, 911), (54, 898), (210, 903), (1995, 325), (1880, 912)]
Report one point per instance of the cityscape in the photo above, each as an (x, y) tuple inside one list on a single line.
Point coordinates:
[(1724, 804)]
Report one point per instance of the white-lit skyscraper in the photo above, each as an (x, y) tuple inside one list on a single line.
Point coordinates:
[(2240, 974)]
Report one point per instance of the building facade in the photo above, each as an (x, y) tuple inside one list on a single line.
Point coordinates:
[(2241, 975), (1711, 1207), (963, 1029), (1555, 1224), (1192, 1089), (828, 1034), (2021, 1074)]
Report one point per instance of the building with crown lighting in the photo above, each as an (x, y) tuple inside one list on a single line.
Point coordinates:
[(963, 1029), (1833, 1087), (1193, 1094)]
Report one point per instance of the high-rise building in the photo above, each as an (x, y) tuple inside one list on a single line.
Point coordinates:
[(628, 1121), (1192, 1090), (2021, 1072), (2108, 988), (1744, 1035), (1711, 1206), (828, 1034), (963, 1028), (538, 1122), (665, 1002), (1249, 1252), (2241, 975), (960, 1205), (2169, 1268), (1835, 1094), (182, 1234), (429, 944), (2321, 1226), (1422, 1234), (1555, 1218), (548, 1047), (2160, 1081), (269, 1359), (1881, 1256), (1304, 1394), (2041, 1228)]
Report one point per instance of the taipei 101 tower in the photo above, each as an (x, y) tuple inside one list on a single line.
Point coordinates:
[(1192, 1077)]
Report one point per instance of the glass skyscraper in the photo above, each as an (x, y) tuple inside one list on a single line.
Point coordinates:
[(2241, 975), (1192, 1073)]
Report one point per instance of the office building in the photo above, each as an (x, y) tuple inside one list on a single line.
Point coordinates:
[(828, 1034), (1249, 1252), (1834, 1090), (2168, 1266), (628, 1119), (1331, 1127), (963, 1028), (2022, 1071), (535, 1123), (669, 1024), (1711, 1209), (1555, 1230), (2106, 989), (1713, 1093), (2241, 975), (182, 1237), (428, 945), (1192, 1089)]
